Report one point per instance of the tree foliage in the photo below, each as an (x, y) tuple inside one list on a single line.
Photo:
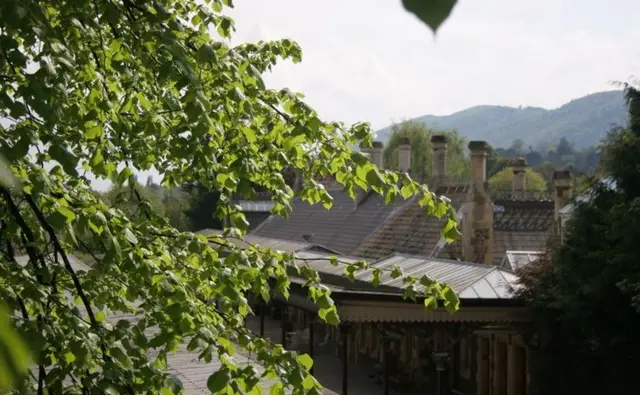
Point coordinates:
[(503, 180), (108, 88), (419, 135), (586, 294)]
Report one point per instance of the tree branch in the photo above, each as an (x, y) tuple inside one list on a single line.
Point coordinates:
[(65, 258)]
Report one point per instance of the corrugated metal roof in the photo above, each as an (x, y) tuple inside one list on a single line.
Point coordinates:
[(469, 280), (457, 274), (514, 260)]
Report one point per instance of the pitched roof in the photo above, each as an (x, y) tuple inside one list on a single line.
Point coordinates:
[(342, 228), (373, 230)]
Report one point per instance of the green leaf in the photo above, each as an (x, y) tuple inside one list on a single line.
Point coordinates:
[(431, 302), (408, 190), (69, 357), (100, 316), (432, 12), (277, 389), (144, 102), (119, 354), (218, 381), (306, 361), (450, 231), (14, 354), (93, 132), (377, 275), (451, 301), (396, 272), (67, 160), (128, 234), (67, 213), (7, 179), (329, 315)]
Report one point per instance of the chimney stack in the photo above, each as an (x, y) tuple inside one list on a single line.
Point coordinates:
[(439, 147), (478, 158), (478, 210), (404, 155), (563, 185), (376, 154), (518, 182)]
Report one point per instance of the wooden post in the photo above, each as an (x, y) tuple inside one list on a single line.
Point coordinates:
[(310, 321), (283, 326), (344, 334), (263, 308), (387, 364)]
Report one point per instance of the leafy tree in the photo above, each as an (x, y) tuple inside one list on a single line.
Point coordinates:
[(586, 295), (517, 147), (107, 88), (419, 135), (125, 198), (503, 180), (176, 207)]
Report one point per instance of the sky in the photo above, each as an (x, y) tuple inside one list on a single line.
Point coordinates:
[(370, 60)]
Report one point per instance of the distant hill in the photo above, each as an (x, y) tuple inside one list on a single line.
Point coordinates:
[(583, 121)]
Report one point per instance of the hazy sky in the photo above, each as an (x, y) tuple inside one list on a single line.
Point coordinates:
[(369, 60)]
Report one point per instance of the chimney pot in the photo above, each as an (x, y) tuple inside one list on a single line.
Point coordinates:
[(439, 138), (478, 146), (377, 144)]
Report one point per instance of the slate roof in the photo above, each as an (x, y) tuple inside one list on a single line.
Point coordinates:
[(518, 225), (409, 230), (340, 229), (373, 230)]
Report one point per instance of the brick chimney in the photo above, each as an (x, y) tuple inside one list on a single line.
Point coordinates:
[(439, 147), (518, 182), (478, 209), (563, 192), (404, 155)]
